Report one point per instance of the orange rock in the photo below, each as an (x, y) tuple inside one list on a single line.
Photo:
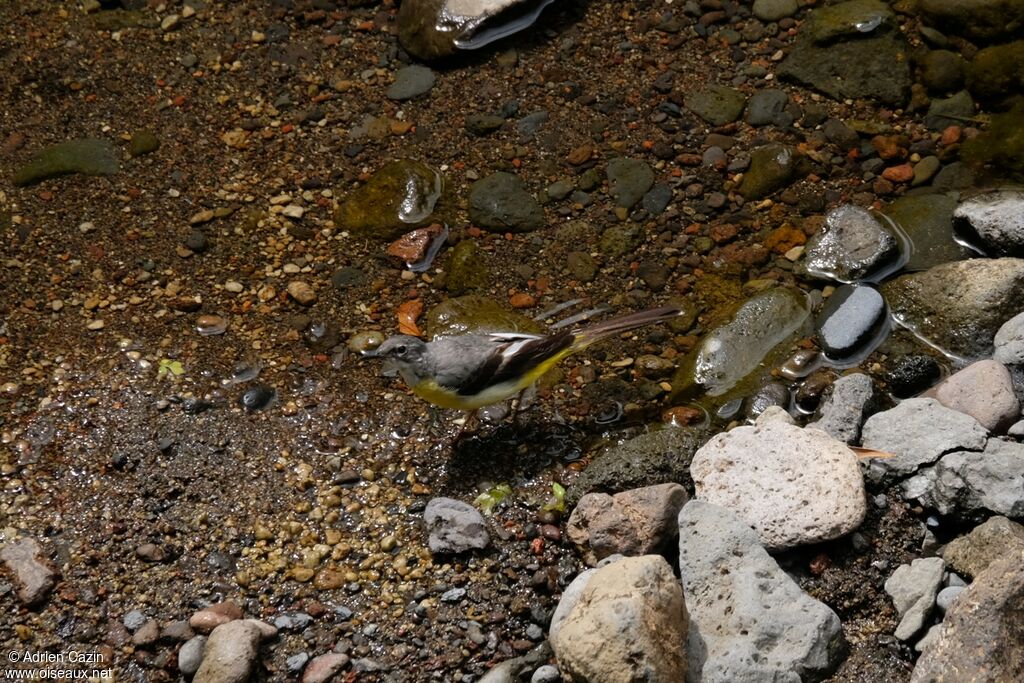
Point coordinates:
[(782, 239), (522, 300), (888, 146), (951, 136), (899, 174), (682, 415)]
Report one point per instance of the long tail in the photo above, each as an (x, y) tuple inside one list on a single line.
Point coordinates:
[(592, 333)]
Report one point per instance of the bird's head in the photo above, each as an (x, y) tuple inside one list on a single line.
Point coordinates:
[(401, 353)]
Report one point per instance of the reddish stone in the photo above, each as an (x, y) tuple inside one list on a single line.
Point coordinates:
[(899, 174), (782, 239)]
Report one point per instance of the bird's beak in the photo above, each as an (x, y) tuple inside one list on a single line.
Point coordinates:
[(372, 353)]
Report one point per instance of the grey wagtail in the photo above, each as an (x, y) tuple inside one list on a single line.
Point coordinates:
[(470, 371)]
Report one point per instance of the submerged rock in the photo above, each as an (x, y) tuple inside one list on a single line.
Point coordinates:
[(1001, 144), (433, 29), (736, 349), (478, 314), (976, 19), (718, 104), (749, 620), (852, 245), (629, 180), (997, 71), (927, 223), (958, 307), (467, 268), (88, 156), (401, 195)]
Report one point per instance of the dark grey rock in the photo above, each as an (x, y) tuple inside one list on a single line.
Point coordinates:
[(454, 526), (984, 20), (942, 71), (657, 199), (918, 431), (768, 107), (657, 457), (483, 124), (959, 306), (296, 662), (749, 621), (500, 202), (912, 588), (773, 10), (970, 485), (852, 245), (852, 322), (842, 415), (190, 656), (840, 134), (629, 180), (955, 110), (531, 123)]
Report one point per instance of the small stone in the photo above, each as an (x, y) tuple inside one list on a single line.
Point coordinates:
[(170, 22), (134, 620), (232, 650), (771, 168), (302, 293), (546, 674), (454, 526), (844, 412), (322, 668), (500, 202), (946, 597), (191, 655), (1009, 341), (773, 10), (852, 322), (205, 620), (147, 634), (33, 574), (143, 142), (296, 662), (293, 211), (629, 180), (717, 104)]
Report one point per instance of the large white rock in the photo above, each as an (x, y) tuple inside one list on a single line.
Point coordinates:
[(628, 624), (793, 485)]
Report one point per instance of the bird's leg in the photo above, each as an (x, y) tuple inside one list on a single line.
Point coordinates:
[(466, 421), (517, 406)]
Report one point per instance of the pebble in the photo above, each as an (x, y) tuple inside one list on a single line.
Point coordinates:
[(629, 180), (302, 293), (546, 674), (454, 526), (852, 245), (296, 662), (191, 655), (209, 325), (293, 211), (322, 668), (205, 620), (844, 412), (134, 620), (997, 219), (946, 597), (1009, 341)]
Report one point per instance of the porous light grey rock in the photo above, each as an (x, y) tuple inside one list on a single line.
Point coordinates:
[(636, 522), (749, 620), (986, 543), (917, 432), (570, 597), (322, 669), (983, 390), (969, 484), (997, 219), (959, 306), (973, 644), (134, 620), (1009, 341), (930, 636), (842, 415), (454, 526), (774, 414), (190, 656), (794, 485), (852, 245), (33, 574), (629, 623), (912, 588), (231, 651)]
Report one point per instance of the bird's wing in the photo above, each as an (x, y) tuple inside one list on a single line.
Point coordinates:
[(469, 374), (506, 337)]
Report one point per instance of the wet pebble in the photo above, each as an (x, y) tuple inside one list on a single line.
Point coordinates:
[(501, 202), (210, 325), (232, 650), (196, 241), (191, 655), (910, 375), (852, 322), (546, 674), (629, 180)]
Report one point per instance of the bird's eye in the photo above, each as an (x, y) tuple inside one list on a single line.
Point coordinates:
[(400, 350)]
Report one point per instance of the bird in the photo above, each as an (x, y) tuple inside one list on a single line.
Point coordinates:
[(473, 370)]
